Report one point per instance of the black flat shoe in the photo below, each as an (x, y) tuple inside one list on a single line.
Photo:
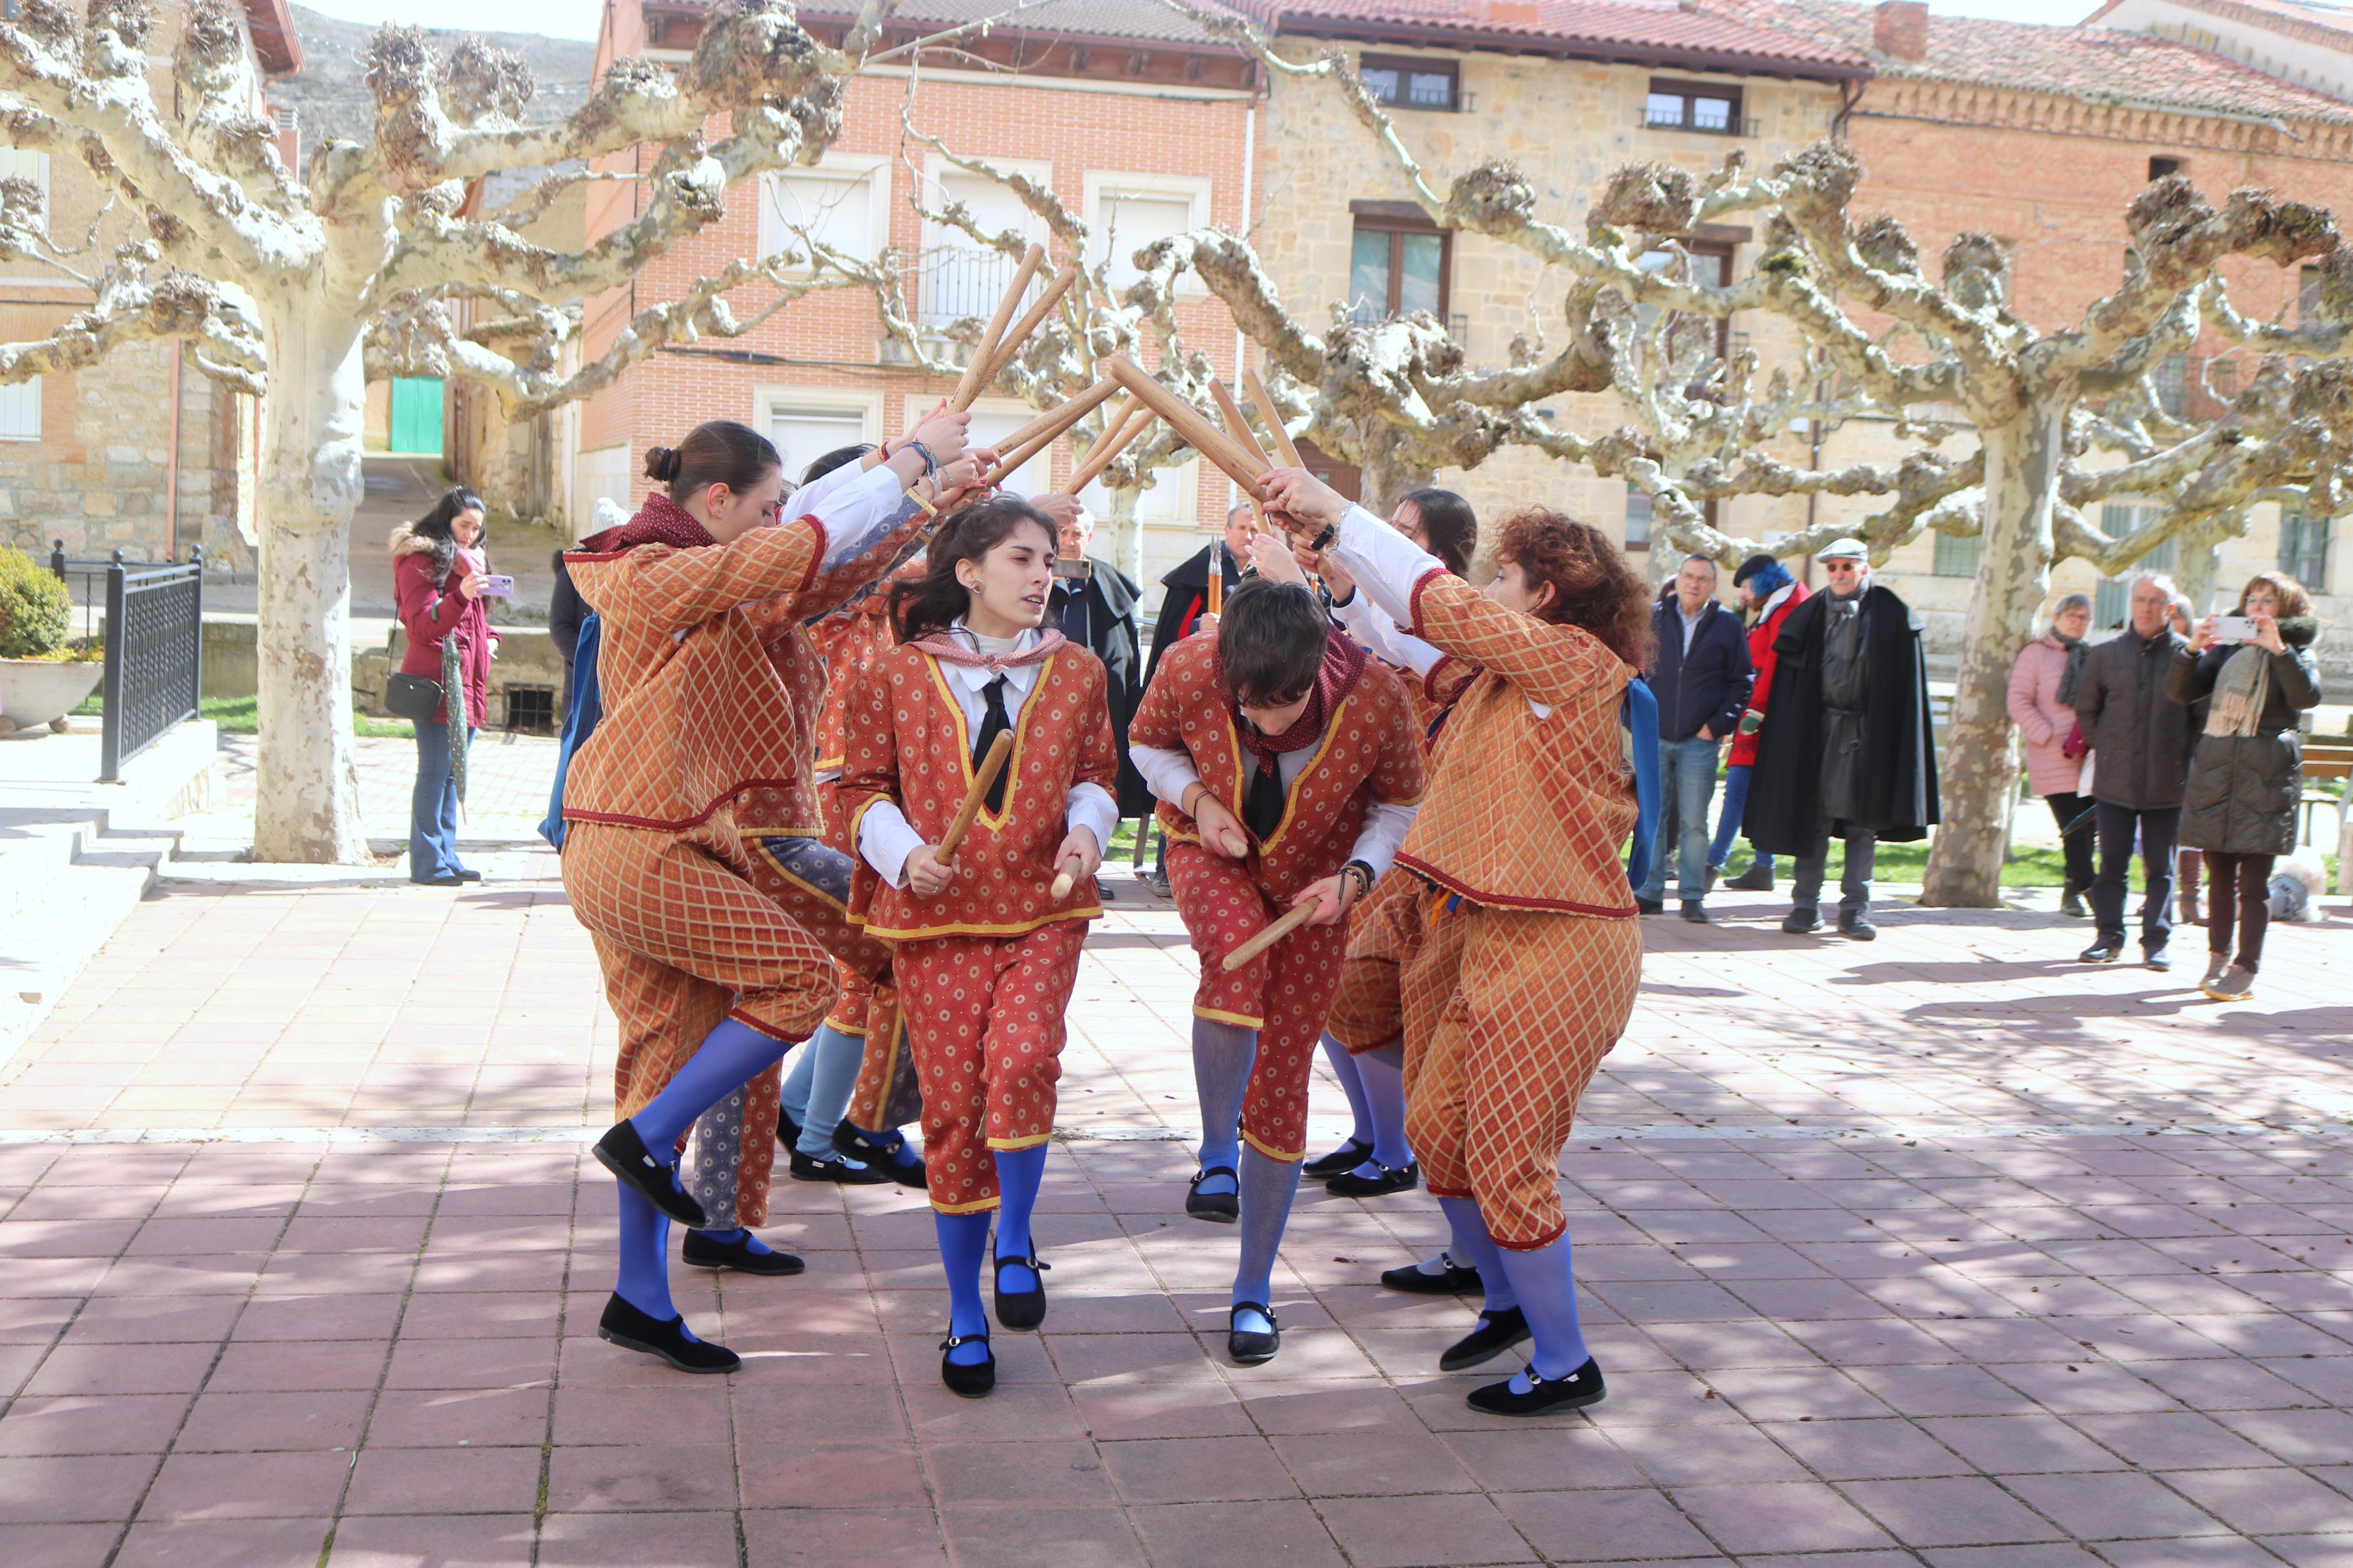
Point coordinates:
[(1392, 1179), (700, 1251), (452, 880), (1497, 1332), (1339, 1161), (1022, 1309), (1575, 1391), (1247, 1346), (1224, 1209), (972, 1382), (887, 1154), (808, 1168), (632, 1330), (1454, 1281), (624, 1153), (1801, 922), (468, 876)]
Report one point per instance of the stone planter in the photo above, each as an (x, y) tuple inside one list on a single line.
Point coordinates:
[(32, 692)]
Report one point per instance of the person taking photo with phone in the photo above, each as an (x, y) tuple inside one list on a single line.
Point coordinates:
[(440, 572)]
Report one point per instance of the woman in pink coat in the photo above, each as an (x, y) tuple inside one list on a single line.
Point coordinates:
[(2042, 706)]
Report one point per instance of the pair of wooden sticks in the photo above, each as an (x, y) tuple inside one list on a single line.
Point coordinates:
[(997, 344), (992, 765)]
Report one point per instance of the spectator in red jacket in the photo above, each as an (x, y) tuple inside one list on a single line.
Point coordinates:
[(1768, 593), (438, 579)]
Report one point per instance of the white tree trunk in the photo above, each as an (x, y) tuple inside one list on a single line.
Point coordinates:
[(306, 805), (1980, 762)]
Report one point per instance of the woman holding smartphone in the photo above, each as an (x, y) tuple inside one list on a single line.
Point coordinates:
[(2255, 668), (439, 579)]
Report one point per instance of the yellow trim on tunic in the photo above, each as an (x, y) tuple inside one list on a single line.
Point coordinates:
[(811, 888), (1011, 1145), (1239, 1020), (1280, 1156), (962, 928), (978, 1205), (993, 821)]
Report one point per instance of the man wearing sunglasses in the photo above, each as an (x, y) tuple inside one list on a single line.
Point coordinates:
[(1847, 753)]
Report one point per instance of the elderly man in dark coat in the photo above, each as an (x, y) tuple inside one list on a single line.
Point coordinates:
[(1188, 585), (1845, 751), (1094, 605)]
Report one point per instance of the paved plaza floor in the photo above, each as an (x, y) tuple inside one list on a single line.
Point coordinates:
[(1940, 1251)]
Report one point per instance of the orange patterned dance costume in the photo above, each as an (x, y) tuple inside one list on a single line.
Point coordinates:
[(1527, 973), (711, 688), (986, 969), (1365, 759)]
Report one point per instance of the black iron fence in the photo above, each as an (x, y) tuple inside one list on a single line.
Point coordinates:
[(155, 646)]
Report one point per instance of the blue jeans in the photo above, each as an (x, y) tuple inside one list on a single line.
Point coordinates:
[(1727, 822), (433, 807), (1687, 777)]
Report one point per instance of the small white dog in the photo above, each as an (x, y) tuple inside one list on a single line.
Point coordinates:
[(2297, 885)]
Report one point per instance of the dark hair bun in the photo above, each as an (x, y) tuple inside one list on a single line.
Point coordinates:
[(662, 464)]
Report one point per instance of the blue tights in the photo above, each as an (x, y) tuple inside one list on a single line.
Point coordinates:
[(964, 1245)]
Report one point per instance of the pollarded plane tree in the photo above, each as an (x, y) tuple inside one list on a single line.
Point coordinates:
[(286, 286), (2013, 432)]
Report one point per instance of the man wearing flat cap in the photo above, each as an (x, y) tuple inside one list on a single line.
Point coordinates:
[(1847, 753)]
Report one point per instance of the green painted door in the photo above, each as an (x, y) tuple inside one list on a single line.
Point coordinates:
[(416, 415)]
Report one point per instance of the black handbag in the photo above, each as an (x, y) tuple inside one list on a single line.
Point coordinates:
[(413, 697)]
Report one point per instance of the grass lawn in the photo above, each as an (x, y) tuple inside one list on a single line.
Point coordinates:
[(2028, 867), (236, 716)]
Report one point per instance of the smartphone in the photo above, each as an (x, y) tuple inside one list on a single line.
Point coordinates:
[(498, 587), (2235, 628)]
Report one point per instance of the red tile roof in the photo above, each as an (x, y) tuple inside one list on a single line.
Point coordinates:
[(2100, 65), (1650, 32)]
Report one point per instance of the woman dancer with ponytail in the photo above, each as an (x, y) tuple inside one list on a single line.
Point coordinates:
[(985, 954), (1527, 973), (705, 745)]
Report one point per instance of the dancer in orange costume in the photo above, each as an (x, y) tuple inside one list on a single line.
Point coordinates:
[(708, 686), (1287, 768), (1528, 973), (987, 955)]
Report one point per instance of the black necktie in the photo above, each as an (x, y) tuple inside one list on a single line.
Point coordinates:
[(1262, 804), (992, 723)]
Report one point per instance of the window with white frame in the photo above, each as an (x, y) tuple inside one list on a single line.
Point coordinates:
[(805, 429), (1128, 212), (843, 206), (17, 163), (962, 275), (20, 411), (994, 419)]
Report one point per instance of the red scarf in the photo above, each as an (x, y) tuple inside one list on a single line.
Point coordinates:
[(944, 647), (1344, 661), (661, 521)]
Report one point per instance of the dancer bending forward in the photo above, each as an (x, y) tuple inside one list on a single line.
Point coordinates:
[(1527, 974), (986, 955)]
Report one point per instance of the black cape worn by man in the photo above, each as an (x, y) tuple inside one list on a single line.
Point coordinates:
[(1094, 605)]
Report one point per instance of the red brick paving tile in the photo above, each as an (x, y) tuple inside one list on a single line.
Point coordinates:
[(491, 1315), (1277, 1406), (24, 1239), (1708, 1456), (1048, 1473), (71, 1489), (471, 1363), (678, 1477), (153, 1320), (1197, 1470), (61, 1545), (1869, 1450), (1805, 1516), (433, 1541), (831, 1536), (2173, 1439), (1097, 1358), (2015, 1445), (35, 1320), (247, 1486), (1161, 1410), (2200, 1551), (179, 1236), (209, 1274), (265, 1366), (2084, 1388), (1604, 1526), (93, 1423), (367, 1317), (636, 1540), (1373, 1464), (238, 1423), (2271, 1499), (846, 1412), (107, 1368), (1445, 1531), (2055, 1554), (2112, 1507), (1956, 1513), (1919, 1391), (689, 1410), (832, 1475), (1225, 1534), (2313, 1550), (1024, 1537), (2299, 1437), (224, 1543), (445, 1481), (40, 1277), (1563, 1456), (1024, 1412), (1765, 1394), (433, 1418)]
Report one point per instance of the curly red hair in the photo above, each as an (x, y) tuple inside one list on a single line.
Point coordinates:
[(1593, 587)]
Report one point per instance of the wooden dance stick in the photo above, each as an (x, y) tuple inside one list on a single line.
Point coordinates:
[(974, 798), (983, 352), (1191, 423), (1237, 425), (1067, 879), (1020, 331), (1046, 429), (1269, 936), (1284, 445), (1126, 423)]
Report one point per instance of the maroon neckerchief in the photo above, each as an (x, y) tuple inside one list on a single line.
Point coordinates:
[(1344, 661), (661, 521), (943, 647)]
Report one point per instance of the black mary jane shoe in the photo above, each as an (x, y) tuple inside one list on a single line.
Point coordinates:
[(1224, 1209), (1497, 1332), (1338, 1163), (700, 1251), (466, 874), (1454, 1281), (1022, 1309), (887, 1154), (1392, 1179), (624, 1153), (843, 1171), (972, 1382), (1575, 1391), (632, 1330), (1248, 1346)]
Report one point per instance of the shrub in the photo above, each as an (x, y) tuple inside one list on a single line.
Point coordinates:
[(35, 611)]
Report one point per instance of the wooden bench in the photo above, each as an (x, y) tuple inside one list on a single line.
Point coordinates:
[(2333, 759)]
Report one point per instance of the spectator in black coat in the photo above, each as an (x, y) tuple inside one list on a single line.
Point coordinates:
[(1188, 585), (1700, 678), (1094, 605)]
